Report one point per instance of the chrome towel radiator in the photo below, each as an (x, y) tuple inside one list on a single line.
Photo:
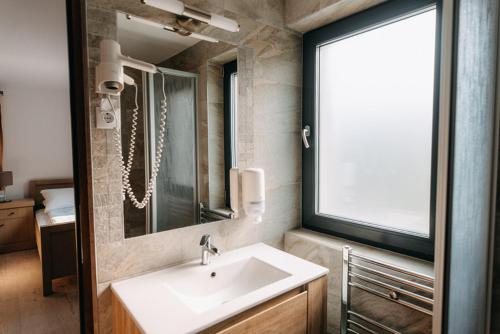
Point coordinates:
[(208, 215), (412, 293)]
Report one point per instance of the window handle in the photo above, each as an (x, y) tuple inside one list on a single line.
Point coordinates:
[(306, 132)]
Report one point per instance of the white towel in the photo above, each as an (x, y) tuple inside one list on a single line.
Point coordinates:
[(62, 215)]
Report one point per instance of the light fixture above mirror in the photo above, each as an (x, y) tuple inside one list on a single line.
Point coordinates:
[(179, 31), (178, 8)]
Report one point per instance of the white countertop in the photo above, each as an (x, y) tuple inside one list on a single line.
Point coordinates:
[(156, 309)]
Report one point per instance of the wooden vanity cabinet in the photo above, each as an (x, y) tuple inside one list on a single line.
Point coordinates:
[(299, 311), (17, 227)]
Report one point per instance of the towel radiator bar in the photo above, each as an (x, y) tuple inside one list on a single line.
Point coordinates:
[(413, 290)]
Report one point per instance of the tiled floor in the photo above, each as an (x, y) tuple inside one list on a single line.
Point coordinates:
[(23, 309)]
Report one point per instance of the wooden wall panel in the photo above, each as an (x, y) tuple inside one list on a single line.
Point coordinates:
[(316, 306), (122, 322)]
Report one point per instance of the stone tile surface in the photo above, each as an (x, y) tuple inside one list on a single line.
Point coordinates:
[(304, 16)]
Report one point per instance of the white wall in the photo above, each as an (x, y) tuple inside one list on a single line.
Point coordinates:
[(34, 78), (37, 136)]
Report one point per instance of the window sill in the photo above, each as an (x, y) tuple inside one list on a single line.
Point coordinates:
[(303, 242)]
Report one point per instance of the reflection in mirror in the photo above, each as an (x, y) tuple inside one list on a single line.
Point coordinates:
[(198, 81)]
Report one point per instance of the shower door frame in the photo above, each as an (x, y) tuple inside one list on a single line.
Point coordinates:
[(150, 142)]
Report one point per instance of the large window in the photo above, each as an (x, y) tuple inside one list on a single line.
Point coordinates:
[(370, 101)]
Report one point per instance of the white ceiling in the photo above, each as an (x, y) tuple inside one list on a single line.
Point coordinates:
[(150, 43), (33, 45)]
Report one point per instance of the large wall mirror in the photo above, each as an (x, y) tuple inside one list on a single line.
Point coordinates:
[(198, 87)]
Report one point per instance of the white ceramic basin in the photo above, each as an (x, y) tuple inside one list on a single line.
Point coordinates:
[(187, 298), (218, 285)]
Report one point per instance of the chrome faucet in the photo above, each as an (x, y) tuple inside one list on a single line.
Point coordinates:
[(207, 249)]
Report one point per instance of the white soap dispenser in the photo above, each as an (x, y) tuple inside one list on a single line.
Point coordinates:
[(254, 193)]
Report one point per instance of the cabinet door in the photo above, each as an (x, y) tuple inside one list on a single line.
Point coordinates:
[(14, 230), (14, 213), (287, 317)]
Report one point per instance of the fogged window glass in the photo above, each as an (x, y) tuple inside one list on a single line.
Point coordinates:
[(375, 121)]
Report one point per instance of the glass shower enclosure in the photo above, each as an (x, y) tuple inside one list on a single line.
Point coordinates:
[(174, 202)]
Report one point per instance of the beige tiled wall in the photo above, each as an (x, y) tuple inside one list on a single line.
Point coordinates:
[(307, 15), (215, 114), (269, 67)]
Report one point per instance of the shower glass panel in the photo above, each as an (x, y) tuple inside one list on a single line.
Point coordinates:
[(174, 201)]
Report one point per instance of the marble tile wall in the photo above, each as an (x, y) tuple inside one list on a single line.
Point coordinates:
[(215, 111), (269, 66), (327, 251), (305, 16)]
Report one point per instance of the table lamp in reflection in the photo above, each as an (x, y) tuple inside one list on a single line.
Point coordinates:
[(5, 180)]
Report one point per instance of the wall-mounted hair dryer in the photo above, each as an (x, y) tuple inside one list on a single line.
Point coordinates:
[(110, 78)]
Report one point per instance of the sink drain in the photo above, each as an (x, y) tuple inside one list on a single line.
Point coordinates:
[(213, 274)]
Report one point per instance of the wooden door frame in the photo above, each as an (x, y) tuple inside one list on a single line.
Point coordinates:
[(80, 131)]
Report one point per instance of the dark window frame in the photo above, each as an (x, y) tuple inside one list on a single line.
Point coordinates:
[(388, 239), (229, 69)]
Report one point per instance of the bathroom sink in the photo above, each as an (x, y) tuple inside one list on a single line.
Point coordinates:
[(190, 297), (217, 285)]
